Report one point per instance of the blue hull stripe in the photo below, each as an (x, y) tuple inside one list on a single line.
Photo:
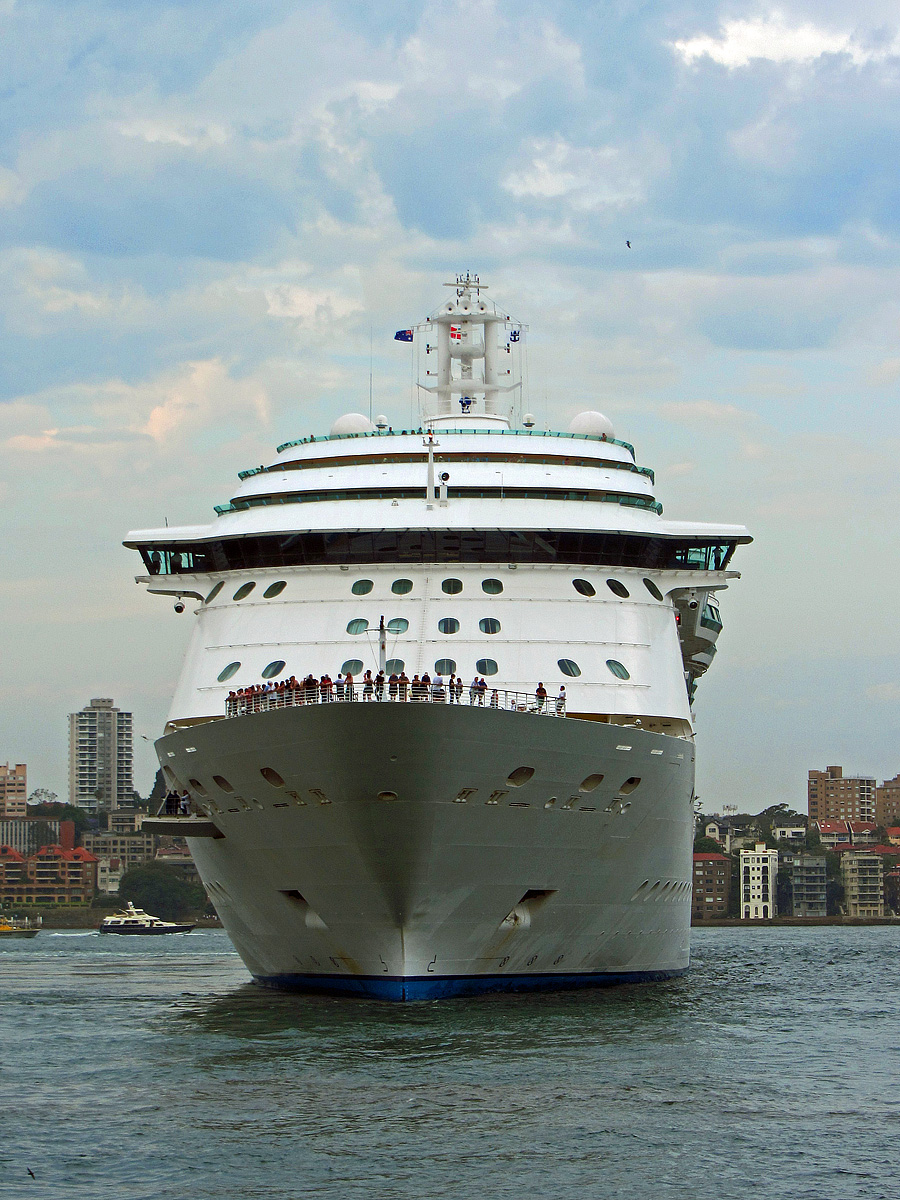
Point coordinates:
[(430, 987)]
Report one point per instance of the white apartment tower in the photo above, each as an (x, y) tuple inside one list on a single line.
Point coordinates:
[(100, 756), (759, 868)]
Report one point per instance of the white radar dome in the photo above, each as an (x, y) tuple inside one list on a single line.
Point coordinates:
[(592, 423), (352, 423)]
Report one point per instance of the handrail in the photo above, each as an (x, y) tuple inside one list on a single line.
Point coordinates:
[(493, 698)]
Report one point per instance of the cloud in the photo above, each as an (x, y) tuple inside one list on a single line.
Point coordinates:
[(587, 178), (706, 413), (774, 38), (885, 692)]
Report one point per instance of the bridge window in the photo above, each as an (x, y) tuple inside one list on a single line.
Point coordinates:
[(362, 587), (493, 587), (273, 669), (448, 625), (244, 590), (617, 669), (227, 672), (618, 589), (401, 586), (452, 586), (583, 587), (212, 595), (653, 589), (274, 589), (569, 667)]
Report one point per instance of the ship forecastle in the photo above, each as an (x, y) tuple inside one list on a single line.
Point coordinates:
[(417, 840)]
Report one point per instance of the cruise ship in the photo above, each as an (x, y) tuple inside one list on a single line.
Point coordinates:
[(529, 829)]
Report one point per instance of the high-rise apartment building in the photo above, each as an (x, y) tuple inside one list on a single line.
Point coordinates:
[(887, 802), (712, 881), (863, 879), (759, 867), (809, 885), (13, 790), (834, 797), (100, 757)]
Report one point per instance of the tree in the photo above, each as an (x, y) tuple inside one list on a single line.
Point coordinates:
[(706, 845), (157, 889), (63, 812)]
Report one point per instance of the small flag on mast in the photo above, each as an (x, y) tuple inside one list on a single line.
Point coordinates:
[(403, 335)]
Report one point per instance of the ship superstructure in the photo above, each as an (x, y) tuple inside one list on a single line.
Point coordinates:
[(434, 844)]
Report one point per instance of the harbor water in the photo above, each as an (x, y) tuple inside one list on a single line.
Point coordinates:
[(152, 1067)]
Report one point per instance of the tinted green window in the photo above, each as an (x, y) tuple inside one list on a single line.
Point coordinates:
[(493, 587), (352, 666), (653, 589), (393, 666), (568, 667), (244, 590), (397, 625), (448, 625), (446, 666), (275, 589), (452, 586), (486, 666), (618, 589), (357, 625), (362, 587), (212, 595), (227, 672), (401, 586), (617, 669), (489, 625), (273, 669), (585, 588)]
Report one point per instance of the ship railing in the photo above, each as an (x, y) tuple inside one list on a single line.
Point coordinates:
[(493, 698)]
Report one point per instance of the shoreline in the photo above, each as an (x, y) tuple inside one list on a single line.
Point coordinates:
[(731, 922)]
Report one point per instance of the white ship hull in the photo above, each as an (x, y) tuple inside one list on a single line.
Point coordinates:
[(395, 860)]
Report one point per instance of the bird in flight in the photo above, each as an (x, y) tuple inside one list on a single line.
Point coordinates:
[(31, 1173), (628, 244)]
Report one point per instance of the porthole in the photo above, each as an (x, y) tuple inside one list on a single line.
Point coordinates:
[(352, 666), (653, 589), (394, 666), (489, 625), (227, 672), (519, 776), (448, 625), (401, 586), (618, 589), (569, 667), (397, 625), (212, 595), (583, 587), (357, 625), (274, 589), (362, 587), (486, 666), (273, 669), (445, 666), (629, 785), (386, 796), (221, 782), (197, 786), (452, 586), (271, 776), (244, 590), (588, 784), (493, 587), (617, 669)]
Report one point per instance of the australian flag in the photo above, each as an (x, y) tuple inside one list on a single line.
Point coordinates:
[(403, 335)]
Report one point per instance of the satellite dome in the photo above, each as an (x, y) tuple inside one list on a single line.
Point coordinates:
[(381, 421), (592, 423), (352, 423)]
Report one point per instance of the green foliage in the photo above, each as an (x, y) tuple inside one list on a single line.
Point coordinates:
[(705, 845), (813, 841), (159, 789), (157, 889), (61, 812), (834, 897)]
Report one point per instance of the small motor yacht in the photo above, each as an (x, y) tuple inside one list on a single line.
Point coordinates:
[(135, 920)]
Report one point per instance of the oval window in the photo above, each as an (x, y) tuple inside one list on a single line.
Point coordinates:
[(452, 586), (362, 587), (244, 590), (227, 672), (618, 589), (448, 625), (583, 587), (386, 796), (445, 666), (629, 785), (397, 625), (592, 781), (401, 586), (223, 783), (489, 625), (352, 666), (274, 589), (197, 786), (493, 587), (653, 589), (357, 625), (519, 776), (617, 669), (273, 669), (569, 667), (486, 666), (212, 595), (393, 666), (271, 776)]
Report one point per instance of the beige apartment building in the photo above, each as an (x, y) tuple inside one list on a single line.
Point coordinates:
[(863, 879), (832, 796), (887, 802), (13, 790)]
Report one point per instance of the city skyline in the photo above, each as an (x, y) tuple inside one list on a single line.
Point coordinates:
[(204, 227)]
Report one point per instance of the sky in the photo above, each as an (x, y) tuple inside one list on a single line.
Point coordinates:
[(206, 208)]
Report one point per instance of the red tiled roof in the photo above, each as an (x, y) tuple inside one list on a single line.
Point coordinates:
[(833, 826), (710, 858), (862, 826), (10, 853)]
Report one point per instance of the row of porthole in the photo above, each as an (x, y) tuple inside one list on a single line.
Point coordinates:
[(400, 587), (585, 588), (398, 625), (444, 666)]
